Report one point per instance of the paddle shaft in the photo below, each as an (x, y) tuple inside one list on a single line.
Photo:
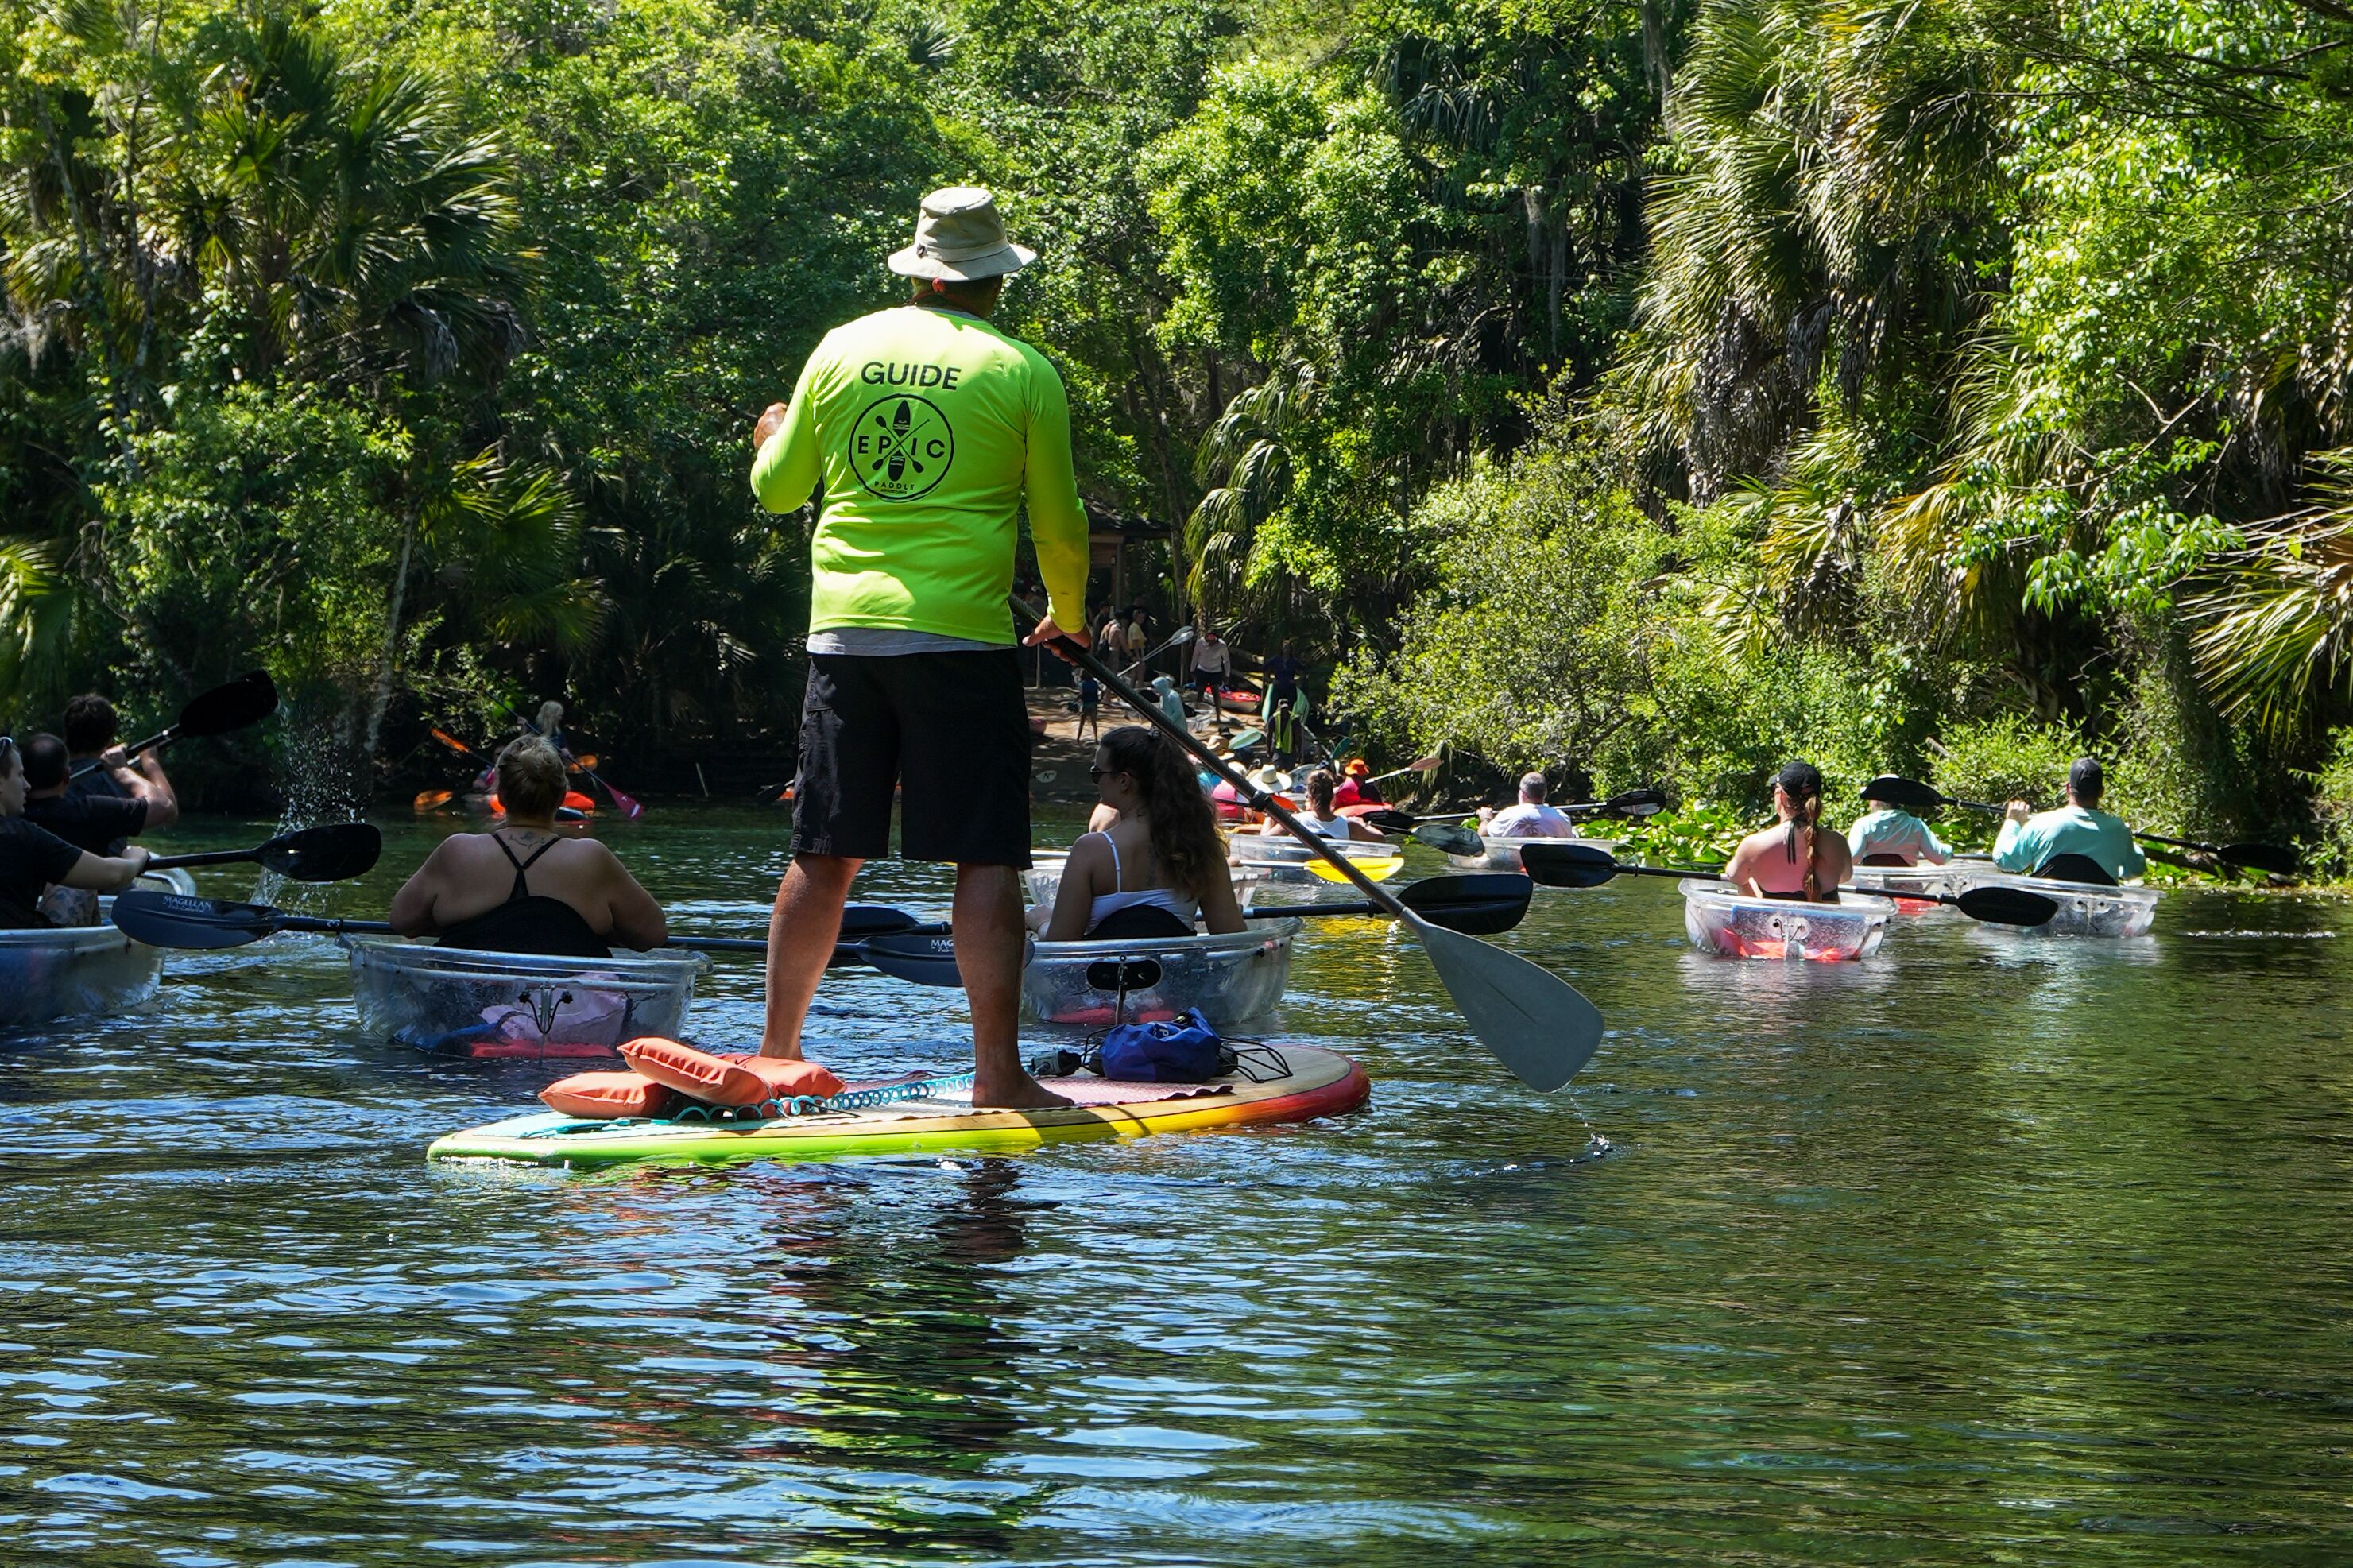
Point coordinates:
[(160, 737), (209, 857), (284, 922), (1248, 793)]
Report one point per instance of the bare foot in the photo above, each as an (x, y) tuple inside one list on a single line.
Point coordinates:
[(782, 1051), (1021, 1091)]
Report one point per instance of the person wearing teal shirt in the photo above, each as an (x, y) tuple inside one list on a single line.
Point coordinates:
[(2028, 841), (925, 433), (1886, 836)]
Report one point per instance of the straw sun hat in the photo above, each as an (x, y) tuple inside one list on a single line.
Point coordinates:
[(960, 237)]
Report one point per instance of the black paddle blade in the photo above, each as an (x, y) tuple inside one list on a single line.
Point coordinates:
[(859, 921), (246, 701), (1564, 862), (1637, 803), (924, 957), (2007, 905), (1480, 904), (177, 920), (1390, 821), (1908, 794), (2274, 859), (330, 853), (1448, 837)]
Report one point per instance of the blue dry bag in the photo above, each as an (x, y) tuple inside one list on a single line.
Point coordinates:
[(1182, 1049)]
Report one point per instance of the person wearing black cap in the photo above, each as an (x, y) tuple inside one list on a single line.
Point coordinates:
[(2030, 838), (1794, 858), (1889, 835)]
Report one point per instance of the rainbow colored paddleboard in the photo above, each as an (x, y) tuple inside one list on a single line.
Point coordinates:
[(1280, 1082)]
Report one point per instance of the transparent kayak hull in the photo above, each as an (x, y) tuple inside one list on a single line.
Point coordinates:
[(1231, 979), (1915, 888), (81, 971), (1736, 926), (456, 1001), (1503, 853), (1288, 862), (1043, 880), (2084, 910)]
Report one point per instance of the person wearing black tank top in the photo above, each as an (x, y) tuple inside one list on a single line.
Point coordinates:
[(525, 887)]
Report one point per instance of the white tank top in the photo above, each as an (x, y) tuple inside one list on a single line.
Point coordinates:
[(1337, 827), (1109, 904)]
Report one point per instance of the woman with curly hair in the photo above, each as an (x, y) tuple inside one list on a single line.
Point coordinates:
[(1161, 866)]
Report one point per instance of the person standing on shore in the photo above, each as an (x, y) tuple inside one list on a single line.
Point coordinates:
[(1213, 663), (928, 431)]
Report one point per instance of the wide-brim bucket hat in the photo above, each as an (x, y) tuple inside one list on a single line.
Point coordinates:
[(959, 235)]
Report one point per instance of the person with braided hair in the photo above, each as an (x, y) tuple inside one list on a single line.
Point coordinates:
[(1794, 858)]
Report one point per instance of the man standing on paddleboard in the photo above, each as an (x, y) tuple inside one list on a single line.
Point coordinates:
[(925, 429)]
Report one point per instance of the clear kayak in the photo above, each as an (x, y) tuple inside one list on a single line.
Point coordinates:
[(456, 1001), (1043, 880), (1272, 1083), (1736, 926), (77, 971), (1915, 888), (1500, 852), (2085, 909), (1093, 985), (1288, 862)]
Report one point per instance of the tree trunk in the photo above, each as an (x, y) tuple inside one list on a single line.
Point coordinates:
[(386, 674)]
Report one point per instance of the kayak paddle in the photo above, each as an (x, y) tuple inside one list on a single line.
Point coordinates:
[(177, 920), (1915, 796), (1562, 862), (333, 853), (242, 702), (1480, 904), (1535, 1022), (1634, 804)]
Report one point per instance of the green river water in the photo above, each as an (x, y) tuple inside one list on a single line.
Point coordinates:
[(1989, 1249)]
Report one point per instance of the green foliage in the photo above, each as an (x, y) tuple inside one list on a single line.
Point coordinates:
[(2333, 806), (1529, 654), (1701, 837), (2006, 757)]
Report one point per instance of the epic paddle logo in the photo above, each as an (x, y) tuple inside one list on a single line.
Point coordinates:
[(902, 446)]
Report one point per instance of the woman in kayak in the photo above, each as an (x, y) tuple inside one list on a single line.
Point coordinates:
[(32, 858), (1157, 869), (1321, 818), (1794, 859), (524, 886)]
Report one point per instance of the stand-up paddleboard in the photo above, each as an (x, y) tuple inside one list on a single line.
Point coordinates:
[(1273, 1083)]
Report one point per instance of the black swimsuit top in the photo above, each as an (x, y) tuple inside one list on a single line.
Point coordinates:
[(528, 922)]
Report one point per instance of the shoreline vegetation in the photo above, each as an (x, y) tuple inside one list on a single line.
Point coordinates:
[(1650, 391)]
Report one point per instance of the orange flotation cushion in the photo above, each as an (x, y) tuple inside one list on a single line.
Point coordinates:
[(731, 1080), (604, 1096)]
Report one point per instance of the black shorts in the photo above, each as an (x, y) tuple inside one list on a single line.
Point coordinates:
[(950, 730), (1207, 681)]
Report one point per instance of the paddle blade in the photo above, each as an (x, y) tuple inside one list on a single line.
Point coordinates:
[(1535, 1022), (243, 701), (2274, 859), (432, 800), (1636, 803), (1390, 820), (1479, 905), (919, 956), (1564, 862), (2005, 905), (451, 741), (629, 804), (1909, 794), (859, 921), (1446, 836), (330, 853), (177, 920)]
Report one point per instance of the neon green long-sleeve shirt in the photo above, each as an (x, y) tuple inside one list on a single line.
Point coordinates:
[(929, 430)]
